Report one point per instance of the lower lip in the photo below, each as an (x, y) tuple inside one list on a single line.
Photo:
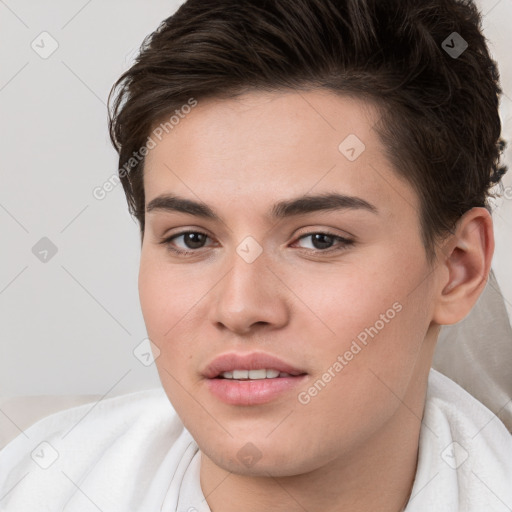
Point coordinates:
[(252, 392)]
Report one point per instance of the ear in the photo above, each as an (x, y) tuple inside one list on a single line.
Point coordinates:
[(465, 263)]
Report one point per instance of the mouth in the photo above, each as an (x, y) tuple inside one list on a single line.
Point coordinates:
[(254, 366), (259, 374), (251, 379)]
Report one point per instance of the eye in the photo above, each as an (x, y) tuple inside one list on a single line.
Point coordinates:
[(323, 242), (192, 239)]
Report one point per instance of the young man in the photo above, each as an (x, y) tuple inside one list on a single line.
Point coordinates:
[(311, 181)]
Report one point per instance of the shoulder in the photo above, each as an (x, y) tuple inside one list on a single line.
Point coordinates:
[(101, 446), (465, 453), (449, 404)]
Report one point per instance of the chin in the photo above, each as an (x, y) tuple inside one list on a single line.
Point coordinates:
[(262, 458)]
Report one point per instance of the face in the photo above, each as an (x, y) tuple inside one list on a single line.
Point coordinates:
[(337, 290)]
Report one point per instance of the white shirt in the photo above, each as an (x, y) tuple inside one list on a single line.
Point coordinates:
[(132, 453)]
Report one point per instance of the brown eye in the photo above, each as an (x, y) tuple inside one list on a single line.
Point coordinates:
[(323, 242), (192, 240)]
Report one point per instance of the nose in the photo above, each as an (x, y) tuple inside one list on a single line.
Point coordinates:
[(250, 295)]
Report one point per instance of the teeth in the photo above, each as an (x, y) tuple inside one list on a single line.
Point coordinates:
[(257, 374), (254, 374)]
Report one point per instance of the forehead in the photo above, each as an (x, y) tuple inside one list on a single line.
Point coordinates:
[(269, 146)]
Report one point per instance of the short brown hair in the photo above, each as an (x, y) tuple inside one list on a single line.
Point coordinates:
[(440, 120)]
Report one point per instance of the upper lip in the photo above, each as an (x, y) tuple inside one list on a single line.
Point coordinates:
[(253, 361)]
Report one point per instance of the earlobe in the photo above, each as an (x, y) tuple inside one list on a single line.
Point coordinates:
[(466, 265)]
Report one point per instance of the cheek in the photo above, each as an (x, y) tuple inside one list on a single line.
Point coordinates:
[(345, 299), (154, 300), (166, 298), (375, 313), (174, 301), (166, 294)]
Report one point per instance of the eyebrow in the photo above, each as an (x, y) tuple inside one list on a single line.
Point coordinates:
[(283, 209)]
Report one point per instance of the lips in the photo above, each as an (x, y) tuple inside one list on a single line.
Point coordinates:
[(253, 361), (282, 378)]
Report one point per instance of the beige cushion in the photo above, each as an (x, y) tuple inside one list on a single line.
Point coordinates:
[(477, 352)]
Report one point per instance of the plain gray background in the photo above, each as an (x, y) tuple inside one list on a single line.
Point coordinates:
[(70, 325)]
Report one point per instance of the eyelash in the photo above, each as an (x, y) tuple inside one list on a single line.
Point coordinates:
[(345, 242)]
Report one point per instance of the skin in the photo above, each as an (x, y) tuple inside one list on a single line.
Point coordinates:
[(354, 445)]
